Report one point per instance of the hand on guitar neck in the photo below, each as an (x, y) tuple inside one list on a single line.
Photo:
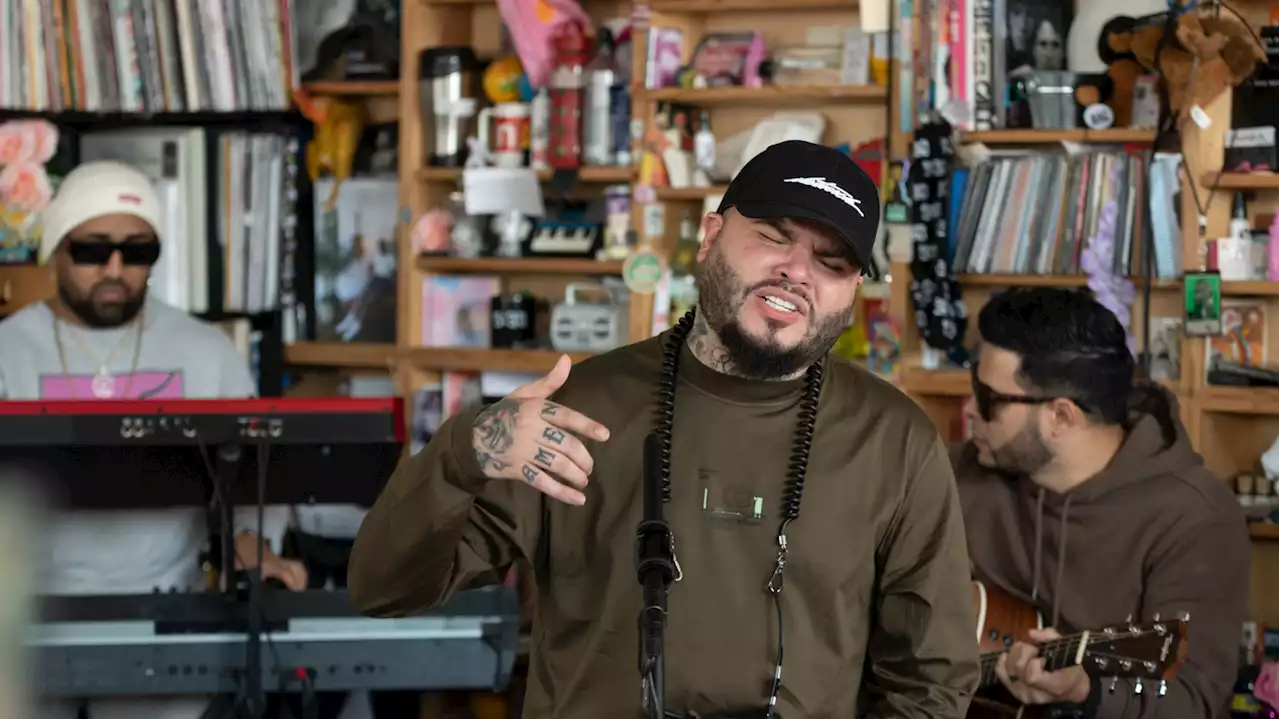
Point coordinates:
[(1028, 671), (1024, 663)]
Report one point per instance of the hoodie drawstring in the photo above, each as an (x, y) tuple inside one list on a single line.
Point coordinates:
[(1062, 555), (1035, 556)]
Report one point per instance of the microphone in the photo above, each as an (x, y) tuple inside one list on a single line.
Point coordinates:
[(655, 570)]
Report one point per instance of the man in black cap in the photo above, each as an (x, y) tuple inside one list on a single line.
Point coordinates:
[(865, 582)]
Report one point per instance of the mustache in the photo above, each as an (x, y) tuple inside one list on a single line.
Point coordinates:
[(784, 286), (112, 284)]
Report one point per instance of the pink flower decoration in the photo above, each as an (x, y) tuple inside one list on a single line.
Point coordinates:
[(15, 144), (1265, 686), (25, 186)]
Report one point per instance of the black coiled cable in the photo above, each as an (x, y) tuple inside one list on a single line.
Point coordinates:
[(664, 415)]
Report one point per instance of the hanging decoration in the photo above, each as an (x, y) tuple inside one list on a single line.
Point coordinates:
[(939, 306)]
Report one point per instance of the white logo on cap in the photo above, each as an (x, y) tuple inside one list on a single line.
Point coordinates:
[(831, 188)]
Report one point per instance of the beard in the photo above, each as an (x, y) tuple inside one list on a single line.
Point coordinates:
[(100, 313), (721, 295), (1024, 454)]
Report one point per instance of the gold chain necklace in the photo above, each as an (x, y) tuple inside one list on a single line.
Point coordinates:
[(103, 384)]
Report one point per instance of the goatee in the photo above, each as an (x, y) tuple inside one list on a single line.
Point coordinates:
[(102, 314)]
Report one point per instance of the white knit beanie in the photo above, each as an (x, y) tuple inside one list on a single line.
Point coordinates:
[(92, 190)]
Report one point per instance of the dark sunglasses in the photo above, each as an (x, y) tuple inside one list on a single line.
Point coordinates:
[(987, 399), (96, 252)]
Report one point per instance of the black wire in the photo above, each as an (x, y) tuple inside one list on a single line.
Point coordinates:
[(286, 678), (796, 467)]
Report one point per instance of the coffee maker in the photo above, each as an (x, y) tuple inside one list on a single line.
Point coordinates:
[(447, 92)]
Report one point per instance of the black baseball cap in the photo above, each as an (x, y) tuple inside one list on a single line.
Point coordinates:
[(800, 180)]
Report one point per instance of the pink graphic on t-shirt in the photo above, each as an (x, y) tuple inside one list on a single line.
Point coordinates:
[(139, 385)]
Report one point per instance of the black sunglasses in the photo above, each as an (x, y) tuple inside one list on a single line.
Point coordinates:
[(987, 399), (96, 252)]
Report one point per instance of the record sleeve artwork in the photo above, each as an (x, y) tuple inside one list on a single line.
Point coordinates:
[(939, 305)]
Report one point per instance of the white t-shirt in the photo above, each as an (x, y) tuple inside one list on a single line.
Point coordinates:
[(180, 357)]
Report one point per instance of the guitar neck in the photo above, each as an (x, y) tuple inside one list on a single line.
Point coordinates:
[(1057, 654)]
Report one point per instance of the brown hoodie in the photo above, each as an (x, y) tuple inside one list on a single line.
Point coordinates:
[(877, 608), (1152, 534)]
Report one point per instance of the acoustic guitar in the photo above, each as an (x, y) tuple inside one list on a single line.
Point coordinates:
[(1140, 653)]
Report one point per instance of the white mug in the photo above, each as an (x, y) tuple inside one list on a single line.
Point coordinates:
[(504, 133), (1235, 258)]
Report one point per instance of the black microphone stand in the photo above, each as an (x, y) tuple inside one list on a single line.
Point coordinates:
[(656, 569)]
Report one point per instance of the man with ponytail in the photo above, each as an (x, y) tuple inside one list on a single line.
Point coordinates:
[(1082, 495), (752, 416)]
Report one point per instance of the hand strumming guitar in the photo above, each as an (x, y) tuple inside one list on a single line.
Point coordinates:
[(526, 437), (1022, 672)]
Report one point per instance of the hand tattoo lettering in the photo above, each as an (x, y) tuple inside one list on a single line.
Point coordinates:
[(530, 473), (495, 425), (553, 435), (489, 462), (549, 410), (544, 457)]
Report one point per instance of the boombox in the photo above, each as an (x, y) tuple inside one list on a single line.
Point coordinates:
[(587, 326)]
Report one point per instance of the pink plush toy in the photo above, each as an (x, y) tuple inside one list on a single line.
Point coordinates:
[(533, 24), (1265, 686)]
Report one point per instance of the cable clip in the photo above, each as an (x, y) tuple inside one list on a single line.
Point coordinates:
[(779, 566)]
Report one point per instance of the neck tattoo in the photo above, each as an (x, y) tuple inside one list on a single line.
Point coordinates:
[(706, 346)]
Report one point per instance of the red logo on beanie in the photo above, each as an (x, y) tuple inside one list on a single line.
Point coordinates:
[(131, 199)]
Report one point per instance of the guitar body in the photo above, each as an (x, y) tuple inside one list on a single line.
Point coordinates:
[(1001, 620)]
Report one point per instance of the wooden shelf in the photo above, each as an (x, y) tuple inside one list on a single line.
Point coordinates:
[(710, 6), (480, 359), (1010, 280), (1250, 288), (1021, 280), (518, 265), (950, 382), (1241, 180), (1033, 137), (621, 175), (340, 354), (1258, 530), (1239, 400), (353, 87), (676, 194), (770, 95)]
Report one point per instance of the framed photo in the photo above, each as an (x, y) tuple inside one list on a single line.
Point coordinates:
[(1202, 298)]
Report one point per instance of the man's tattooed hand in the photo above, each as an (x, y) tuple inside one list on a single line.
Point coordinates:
[(528, 438)]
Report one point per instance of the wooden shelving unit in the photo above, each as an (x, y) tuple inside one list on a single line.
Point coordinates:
[(772, 95), (1269, 532), (468, 359), (516, 266), (687, 194), (592, 175), (1043, 137), (340, 354), (998, 280), (1242, 180), (1229, 426)]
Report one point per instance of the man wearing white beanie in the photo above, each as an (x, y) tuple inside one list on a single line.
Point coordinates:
[(102, 337)]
